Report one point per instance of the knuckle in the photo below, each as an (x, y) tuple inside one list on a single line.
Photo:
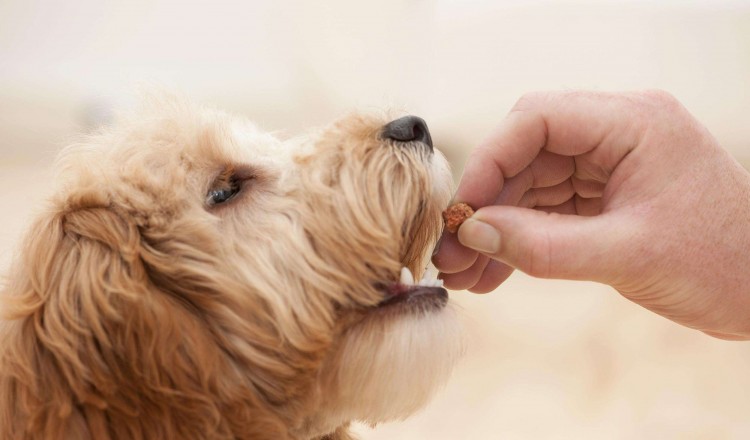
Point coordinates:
[(659, 97), (654, 107), (531, 100), (657, 101)]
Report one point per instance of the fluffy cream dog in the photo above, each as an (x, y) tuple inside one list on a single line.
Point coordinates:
[(194, 278)]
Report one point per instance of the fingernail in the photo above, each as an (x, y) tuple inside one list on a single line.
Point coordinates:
[(479, 236)]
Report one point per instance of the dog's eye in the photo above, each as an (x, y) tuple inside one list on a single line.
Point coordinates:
[(224, 192), (230, 183), (221, 195)]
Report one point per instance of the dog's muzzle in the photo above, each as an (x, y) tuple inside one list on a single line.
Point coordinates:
[(408, 130), (427, 293)]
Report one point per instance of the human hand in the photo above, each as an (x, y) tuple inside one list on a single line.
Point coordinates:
[(625, 189)]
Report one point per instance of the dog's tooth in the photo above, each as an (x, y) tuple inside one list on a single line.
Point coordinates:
[(407, 278), (429, 277), (430, 273), (430, 282)]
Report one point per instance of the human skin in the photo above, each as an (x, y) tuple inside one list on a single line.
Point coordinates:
[(626, 189)]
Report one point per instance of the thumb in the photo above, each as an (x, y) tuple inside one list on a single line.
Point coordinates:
[(547, 245)]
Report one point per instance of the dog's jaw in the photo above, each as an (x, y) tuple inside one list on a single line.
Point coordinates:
[(388, 365), (387, 369)]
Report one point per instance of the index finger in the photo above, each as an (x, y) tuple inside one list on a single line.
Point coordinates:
[(566, 123)]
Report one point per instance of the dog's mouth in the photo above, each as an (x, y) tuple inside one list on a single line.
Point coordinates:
[(427, 293)]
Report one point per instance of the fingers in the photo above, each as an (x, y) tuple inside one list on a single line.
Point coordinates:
[(547, 245), (554, 152), (482, 277), (452, 257), (463, 268), (467, 278), (567, 124), (506, 152), (494, 274), (547, 169), (587, 188), (551, 196), (578, 122)]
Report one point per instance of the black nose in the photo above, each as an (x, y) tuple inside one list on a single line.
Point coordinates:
[(408, 129)]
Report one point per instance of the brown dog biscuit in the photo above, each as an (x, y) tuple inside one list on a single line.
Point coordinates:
[(456, 214)]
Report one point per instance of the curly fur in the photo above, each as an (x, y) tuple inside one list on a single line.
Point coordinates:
[(137, 311)]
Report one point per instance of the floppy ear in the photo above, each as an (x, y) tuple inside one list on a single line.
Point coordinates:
[(94, 349)]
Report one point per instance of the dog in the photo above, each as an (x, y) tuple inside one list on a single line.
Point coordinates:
[(196, 278)]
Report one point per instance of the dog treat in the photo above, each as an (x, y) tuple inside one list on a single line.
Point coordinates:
[(456, 214)]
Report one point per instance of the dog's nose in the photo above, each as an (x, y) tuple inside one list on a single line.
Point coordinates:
[(408, 129)]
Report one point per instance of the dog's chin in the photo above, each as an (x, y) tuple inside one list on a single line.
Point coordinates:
[(404, 350), (391, 363)]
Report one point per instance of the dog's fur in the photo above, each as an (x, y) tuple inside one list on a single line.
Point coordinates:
[(136, 310)]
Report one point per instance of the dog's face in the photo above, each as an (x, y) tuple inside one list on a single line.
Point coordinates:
[(244, 280)]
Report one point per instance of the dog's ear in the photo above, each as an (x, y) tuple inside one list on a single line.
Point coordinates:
[(95, 349)]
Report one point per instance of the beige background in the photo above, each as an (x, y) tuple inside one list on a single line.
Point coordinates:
[(546, 359)]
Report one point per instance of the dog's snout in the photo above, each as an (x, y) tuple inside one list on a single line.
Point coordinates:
[(408, 129)]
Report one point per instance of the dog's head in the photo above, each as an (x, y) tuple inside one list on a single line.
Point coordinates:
[(195, 275)]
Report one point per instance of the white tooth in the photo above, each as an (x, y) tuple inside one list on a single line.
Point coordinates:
[(407, 278), (430, 278), (430, 273)]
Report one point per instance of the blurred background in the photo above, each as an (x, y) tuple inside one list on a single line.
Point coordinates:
[(546, 359)]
